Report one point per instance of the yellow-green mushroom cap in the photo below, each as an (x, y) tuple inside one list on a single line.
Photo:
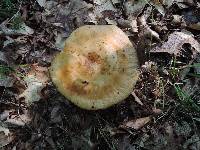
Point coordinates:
[(97, 68)]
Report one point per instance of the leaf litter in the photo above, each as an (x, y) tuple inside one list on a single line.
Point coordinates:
[(35, 80), (34, 115)]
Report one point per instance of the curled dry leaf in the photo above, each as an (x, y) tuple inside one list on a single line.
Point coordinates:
[(116, 1), (5, 114), (136, 124), (195, 26), (134, 8), (5, 137), (99, 2), (18, 120), (6, 81), (158, 5), (64, 13), (175, 42), (109, 21), (10, 119), (36, 80), (55, 115), (60, 40), (19, 40), (105, 6), (8, 41), (23, 30), (145, 30), (180, 3), (192, 18), (177, 19), (133, 25), (41, 2), (3, 58)]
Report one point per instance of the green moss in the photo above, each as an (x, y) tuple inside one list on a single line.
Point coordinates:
[(185, 100), (16, 22), (8, 8), (4, 70)]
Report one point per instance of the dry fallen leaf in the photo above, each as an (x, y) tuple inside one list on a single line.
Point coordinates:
[(3, 58), (145, 30), (106, 6), (23, 30), (5, 137), (158, 6), (4, 115), (192, 19), (6, 81), (195, 26), (36, 80), (116, 1), (18, 120), (34, 87), (136, 124), (180, 3), (99, 2), (109, 21), (133, 8), (134, 26), (19, 40), (60, 40), (175, 43), (41, 2), (64, 13), (55, 115)]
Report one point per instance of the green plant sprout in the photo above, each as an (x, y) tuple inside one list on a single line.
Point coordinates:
[(6, 70), (174, 71), (185, 99), (195, 65)]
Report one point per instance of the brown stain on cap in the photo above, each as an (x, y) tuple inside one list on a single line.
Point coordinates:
[(97, 68)]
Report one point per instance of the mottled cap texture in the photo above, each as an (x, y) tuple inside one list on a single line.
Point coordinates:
[(97, 68)]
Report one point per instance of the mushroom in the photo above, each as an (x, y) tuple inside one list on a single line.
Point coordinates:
[(97, 68)]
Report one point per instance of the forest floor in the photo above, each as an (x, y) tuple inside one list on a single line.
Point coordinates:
[(163, 111)]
